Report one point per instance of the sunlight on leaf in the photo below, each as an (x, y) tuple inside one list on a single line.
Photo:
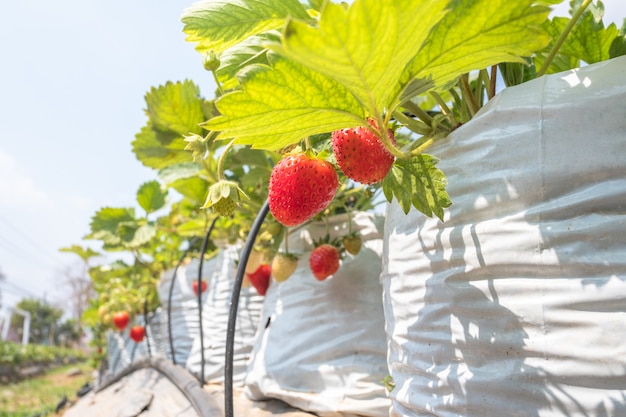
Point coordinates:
[(175, 108), (282, 104), (476, 34), (217, 25), (366, 47)]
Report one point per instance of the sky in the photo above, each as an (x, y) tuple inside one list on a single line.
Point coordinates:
[(73, 78)]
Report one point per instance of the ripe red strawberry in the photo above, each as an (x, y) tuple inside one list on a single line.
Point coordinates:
[(121, 319), (137, 333), (352, 243), (194, 285), (283, 266), (361, 155), (324, 261), (301, 187), (260, 279)]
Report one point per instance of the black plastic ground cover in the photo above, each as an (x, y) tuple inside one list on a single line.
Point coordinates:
[(180, 377)]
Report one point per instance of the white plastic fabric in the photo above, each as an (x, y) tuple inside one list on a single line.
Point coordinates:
[(516, 304), (215, 309), (123, 351), (184, 317), (322, 345), (117, 355)]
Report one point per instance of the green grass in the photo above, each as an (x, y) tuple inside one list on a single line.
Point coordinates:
[(42, 394)]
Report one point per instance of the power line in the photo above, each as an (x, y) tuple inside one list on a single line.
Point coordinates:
[(15, 287), (29, 240), (16, 250)]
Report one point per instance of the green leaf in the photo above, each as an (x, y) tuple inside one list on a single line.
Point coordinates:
[(108, 218), (476, 34), (618, 47), (154, 154), (589, 40), (194, 188), (142, 235), (249, 52), (175, 107), (175, 172), (151, 197), (84, 253), (282, 104), (417, 182), (216, 25), (366, 47)]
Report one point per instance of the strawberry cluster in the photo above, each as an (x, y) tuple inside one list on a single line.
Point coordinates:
[(302, 186)]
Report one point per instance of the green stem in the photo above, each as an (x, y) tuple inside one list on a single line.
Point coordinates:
[(465, 116), (414, 125), (217, 83), (444, 108), (472, 105), (418, 112), (222, 158), (492, 82), (486, 81), (384, 138), (427, 142), (559, 42), (349, 221)]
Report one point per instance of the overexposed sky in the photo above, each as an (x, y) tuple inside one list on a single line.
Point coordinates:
[(73, 77)]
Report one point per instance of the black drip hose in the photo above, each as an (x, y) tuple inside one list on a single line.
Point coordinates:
[(145, 317), (169, 298), (234, 304), (202, 252)]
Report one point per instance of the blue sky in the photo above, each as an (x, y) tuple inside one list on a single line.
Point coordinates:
[(74, 74)]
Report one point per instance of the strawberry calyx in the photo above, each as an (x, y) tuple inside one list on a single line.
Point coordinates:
[(224, 197)]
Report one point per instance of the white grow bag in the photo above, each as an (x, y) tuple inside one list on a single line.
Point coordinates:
[(184, 315), (516, 304), (122, 351), (215, 309), (321, 346)]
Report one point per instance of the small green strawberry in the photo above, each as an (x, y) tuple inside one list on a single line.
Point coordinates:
[(284, 265), (361, 155), (324, 261), (224, 197), (300, 187), (352, 243)]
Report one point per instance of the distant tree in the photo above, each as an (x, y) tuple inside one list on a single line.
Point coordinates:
[(79, 290), (68, 333), (44, 320), (78, 283)]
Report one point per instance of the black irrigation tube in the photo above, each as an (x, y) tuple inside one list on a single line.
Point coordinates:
[(169, 298), (202, 252), (145, 326), (203, 403), (232, 316)]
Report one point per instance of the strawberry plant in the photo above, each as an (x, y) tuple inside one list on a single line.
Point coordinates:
[(291, 72)]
